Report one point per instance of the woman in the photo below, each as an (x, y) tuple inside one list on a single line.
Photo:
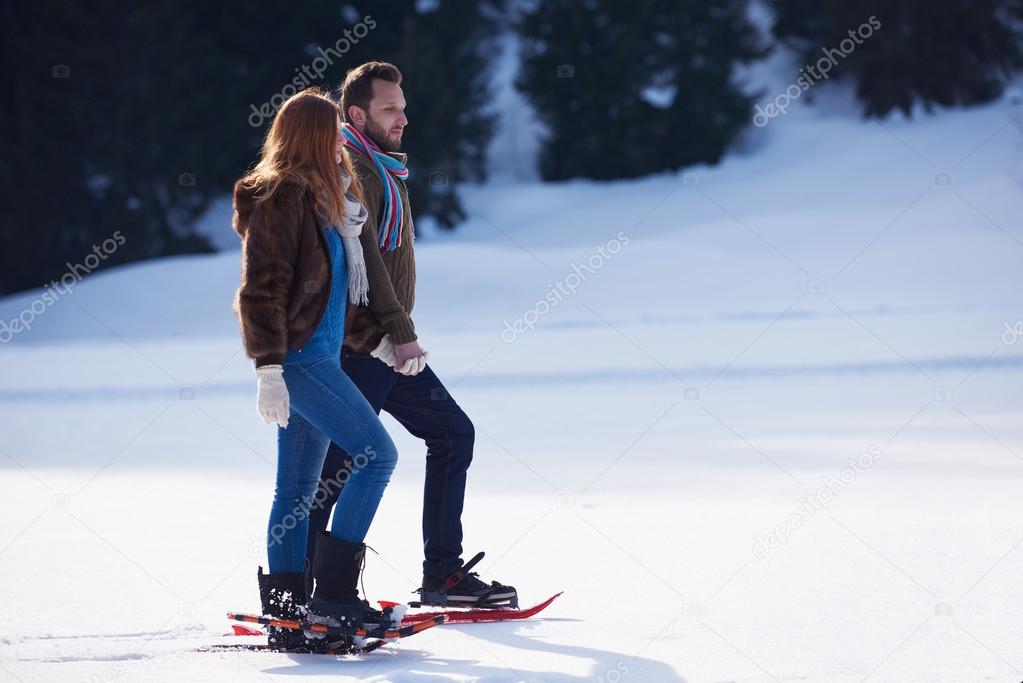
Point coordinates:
[(299, 216)]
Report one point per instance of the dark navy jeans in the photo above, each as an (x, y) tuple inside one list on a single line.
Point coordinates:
[(422, 405)]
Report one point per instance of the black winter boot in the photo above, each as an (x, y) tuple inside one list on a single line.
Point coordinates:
[(283, 596), (337, 567)]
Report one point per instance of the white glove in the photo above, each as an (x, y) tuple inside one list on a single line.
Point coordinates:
[(413, 366), (385, 352), (272, 399)]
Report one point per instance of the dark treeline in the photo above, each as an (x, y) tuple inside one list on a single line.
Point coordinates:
[(132, 117)]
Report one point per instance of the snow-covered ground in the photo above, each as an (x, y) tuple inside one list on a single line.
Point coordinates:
[(699, 358)]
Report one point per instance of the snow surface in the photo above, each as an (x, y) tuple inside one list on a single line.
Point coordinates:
[(823, 295)]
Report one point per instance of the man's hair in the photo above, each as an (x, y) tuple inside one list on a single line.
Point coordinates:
[(357, 88)]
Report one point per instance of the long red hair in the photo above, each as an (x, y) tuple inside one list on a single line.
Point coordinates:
[(300, 145)]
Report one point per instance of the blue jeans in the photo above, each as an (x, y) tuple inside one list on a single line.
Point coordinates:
[(325, 407), (423, 406)]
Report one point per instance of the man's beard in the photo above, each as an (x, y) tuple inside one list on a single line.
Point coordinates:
[(378, 135)]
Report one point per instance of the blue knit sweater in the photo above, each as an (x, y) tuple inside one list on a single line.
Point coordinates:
[(326, 340)]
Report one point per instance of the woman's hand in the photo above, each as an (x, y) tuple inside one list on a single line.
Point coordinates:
[(272, 399), (384, 352), (410, 359)]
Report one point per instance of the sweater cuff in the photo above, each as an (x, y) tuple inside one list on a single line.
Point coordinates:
[(269, 359), (401, 329)]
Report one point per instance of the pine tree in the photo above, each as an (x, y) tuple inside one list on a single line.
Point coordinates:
[(948, 53), (132, 118), (629, 89), (126, 119)]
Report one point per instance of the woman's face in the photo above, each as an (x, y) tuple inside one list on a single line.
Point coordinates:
[(339, 151)]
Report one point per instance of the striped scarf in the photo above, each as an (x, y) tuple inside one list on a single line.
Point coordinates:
[(390, 170)]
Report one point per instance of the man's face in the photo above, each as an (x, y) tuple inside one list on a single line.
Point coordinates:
[(385, 121)]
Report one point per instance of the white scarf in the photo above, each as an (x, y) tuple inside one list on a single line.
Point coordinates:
[(350, 228)]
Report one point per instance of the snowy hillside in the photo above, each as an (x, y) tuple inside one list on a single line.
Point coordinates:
[(760, 422)]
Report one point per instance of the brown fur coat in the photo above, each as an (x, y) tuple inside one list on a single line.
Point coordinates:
[(285, 278)]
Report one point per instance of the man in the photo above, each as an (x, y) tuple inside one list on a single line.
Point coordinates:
[(381, 351)]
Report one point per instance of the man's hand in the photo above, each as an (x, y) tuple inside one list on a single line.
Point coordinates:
[(410, 358), (403, 352)]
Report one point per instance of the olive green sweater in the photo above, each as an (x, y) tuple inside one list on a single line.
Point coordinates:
[(392, 274)]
